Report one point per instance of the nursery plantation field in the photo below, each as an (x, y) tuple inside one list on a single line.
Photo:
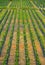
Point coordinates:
[(22, 32)]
